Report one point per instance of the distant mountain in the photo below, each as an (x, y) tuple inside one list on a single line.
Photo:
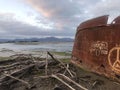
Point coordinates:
[(47, 39)]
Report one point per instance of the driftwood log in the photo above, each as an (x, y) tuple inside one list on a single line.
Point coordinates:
[(9, 79), (30, 64), (6, 81), (18, 74), (59, 61)]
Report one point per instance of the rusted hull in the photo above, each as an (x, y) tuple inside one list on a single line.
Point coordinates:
[(98, 49)]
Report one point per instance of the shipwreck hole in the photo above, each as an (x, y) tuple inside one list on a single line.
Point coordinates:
[(103, 66), (80, 61)]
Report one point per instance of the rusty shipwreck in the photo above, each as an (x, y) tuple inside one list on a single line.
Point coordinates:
[(97, 46)]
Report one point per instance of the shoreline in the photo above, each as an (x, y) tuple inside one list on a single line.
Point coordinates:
[(8, 53)]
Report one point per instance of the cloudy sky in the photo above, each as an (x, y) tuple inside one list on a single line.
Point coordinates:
[(41, 18)]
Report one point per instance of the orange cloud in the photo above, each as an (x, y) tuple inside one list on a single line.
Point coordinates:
[(40, 8)]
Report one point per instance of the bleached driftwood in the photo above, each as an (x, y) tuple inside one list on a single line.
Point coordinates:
[(20, 80), (46, 64), (56, 77), (60, 63), (18, 73), (70, 80)]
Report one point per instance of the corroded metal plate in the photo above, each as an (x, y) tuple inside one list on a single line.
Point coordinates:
[(97, 46)]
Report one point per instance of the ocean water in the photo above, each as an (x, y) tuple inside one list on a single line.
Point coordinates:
[(38, 46)]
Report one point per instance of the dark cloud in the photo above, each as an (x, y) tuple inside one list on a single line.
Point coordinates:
[(63, 17), (64, 13), (12, 28)]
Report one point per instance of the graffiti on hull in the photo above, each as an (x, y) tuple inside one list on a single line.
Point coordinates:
[(99, 48), (114, 59)]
